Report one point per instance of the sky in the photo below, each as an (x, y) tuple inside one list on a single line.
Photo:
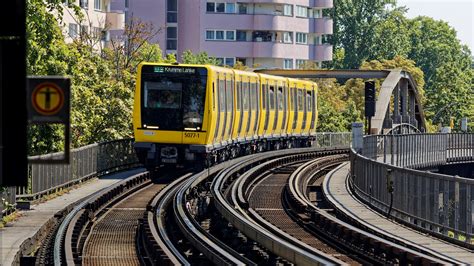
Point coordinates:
[(458, 13)]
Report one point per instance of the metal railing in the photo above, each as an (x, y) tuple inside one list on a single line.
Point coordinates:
[(100, 158), (333, 139), (88, 161), (387, 174)]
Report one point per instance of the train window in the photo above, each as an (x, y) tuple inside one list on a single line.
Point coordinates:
[(239, 96), (295, 106), (300, 100), (245, 95), (285, 99), (264, 96), (309, 100), (271, 97), (221, 95), (229, 97), (213, 94), (280, 98), (253, 91)]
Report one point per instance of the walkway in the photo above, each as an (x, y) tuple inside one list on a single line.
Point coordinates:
[(30, 221), (336, 189)]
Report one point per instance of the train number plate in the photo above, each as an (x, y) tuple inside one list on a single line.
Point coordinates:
[(165, 160)]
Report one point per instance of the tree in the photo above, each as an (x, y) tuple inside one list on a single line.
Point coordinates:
[(201, 58), (447, 68), (355, 25)]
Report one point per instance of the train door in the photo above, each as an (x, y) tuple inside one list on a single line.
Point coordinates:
[(256, 90), (309, 109), (245, 107), (229, 89), (263, 107), (271, 104), (300, 104), (285, 109), (237, 102), (222, 107), (314, 121)]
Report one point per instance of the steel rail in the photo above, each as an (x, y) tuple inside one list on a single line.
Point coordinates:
[(156, 216), (235, 213), (59, 246), (212, 248)]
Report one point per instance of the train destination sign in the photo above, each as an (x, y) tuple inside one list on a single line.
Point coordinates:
[(165, 69)]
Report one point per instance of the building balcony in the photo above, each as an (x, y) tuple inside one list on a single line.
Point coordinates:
[(322, 25), (228, 48), (321, 52), (273, 50), (228, 21), (323, 3), (115, 20), (279, 23)]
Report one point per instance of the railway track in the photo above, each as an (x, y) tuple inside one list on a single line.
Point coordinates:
[(270, 210)]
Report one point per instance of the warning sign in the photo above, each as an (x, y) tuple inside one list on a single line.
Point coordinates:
[(47, 99)]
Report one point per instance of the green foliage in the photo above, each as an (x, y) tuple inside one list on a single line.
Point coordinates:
[(201, 58), (355, 25), (376, 31)]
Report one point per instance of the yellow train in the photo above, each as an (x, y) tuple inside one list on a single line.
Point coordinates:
[(203, 114)]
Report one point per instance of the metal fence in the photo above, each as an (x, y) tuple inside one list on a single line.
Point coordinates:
[(419, 150), (387, 172), (333, 139), (92, 160)]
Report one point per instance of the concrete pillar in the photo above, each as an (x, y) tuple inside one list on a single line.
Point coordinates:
[(357, 136)]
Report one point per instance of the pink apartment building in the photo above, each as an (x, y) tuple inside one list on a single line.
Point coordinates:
[(263, 33)]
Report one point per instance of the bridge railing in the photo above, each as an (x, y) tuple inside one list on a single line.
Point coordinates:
[(333, 139), (389, 171)]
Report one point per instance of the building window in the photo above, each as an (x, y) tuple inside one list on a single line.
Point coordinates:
[(171, 38), (242, 60), (242, 8), (220, 35), (84, 30), (317, 40), (98, 5), (72, 30), (241, 36), (288, 64), (288, 37), (300, 63), (230, 61), (317, 13), (211, 7), (301, 11), (230, 35), (172, 11), (126, 3), (210, 35), (230, 8), (301, 38), (220, 7), (288, 10), (171, 44), (84, 3)]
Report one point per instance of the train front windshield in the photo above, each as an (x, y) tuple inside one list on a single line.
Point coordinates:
[(173, 97)]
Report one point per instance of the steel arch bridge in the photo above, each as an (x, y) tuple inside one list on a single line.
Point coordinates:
[(398, 107)]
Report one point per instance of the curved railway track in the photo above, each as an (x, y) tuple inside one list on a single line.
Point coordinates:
[(270, 210)]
